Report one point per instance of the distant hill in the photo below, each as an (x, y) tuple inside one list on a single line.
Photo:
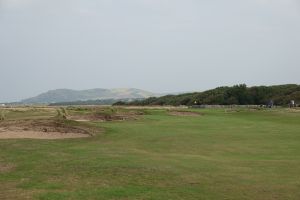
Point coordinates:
[(93, 102), (238, 95), (67, 95)]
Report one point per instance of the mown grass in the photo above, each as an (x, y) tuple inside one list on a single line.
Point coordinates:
[(233, 154)]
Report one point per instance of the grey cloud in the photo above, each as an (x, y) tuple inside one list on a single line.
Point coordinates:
[(157, 45)]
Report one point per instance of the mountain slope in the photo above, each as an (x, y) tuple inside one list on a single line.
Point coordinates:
[(67, 95)]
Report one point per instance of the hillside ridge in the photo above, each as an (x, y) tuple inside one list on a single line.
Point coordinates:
[(68, 95)]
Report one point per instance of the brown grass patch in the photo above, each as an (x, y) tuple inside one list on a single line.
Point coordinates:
[(5, 167)]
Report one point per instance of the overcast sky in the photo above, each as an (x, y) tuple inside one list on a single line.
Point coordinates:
[(156, 45)]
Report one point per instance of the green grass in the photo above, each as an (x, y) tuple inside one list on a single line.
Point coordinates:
[(239, 154)]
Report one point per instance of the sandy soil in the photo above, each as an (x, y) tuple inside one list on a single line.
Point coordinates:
[(45, 129), (39, 135)]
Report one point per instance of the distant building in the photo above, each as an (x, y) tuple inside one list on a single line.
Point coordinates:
[(2, 105)]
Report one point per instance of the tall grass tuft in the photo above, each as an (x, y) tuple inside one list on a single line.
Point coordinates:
[(61, 113), (64, 112), (2, 115)]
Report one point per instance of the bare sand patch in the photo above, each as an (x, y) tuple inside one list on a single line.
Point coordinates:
[(39, 135), (40, 129), (184, 113)]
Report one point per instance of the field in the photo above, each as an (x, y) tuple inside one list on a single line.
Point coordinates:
[(158, 154)]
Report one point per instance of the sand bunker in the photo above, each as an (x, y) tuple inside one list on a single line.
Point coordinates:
[(40, 130), (184, 113), (39, 135)]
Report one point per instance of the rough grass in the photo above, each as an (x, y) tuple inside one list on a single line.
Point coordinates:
[(236, 154)]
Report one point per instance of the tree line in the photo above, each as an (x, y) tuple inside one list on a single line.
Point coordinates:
[(235, 95)]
